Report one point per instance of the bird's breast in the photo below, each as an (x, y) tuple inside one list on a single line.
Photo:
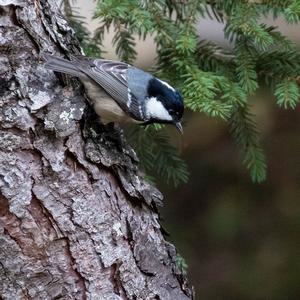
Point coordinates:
[(104, 105)]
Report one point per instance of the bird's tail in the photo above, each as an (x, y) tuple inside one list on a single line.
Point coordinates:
[(62, 65)]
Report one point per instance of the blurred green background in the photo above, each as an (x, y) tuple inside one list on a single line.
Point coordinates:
[(240, 240)]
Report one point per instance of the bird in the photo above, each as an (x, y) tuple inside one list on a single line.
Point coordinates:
[(131, 94)]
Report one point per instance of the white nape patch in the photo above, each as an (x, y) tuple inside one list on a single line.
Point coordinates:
[(155, 109), (129, 97), (167, 85)]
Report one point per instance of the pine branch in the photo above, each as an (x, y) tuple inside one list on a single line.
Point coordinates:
[(292, 12), (90, 46), (244, 130), (287, 93), (212, 58), (201, 90), (276, 65), (125, 44), (157, 155)]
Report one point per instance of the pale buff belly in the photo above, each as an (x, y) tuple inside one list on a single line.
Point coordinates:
[(104, 105)]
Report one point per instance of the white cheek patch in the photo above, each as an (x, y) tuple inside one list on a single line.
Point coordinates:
[(155, 109), (167, 85)]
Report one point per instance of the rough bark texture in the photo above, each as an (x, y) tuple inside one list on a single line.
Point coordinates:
[(76, 219)]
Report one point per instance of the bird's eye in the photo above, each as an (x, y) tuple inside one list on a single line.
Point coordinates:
[(171, 112)]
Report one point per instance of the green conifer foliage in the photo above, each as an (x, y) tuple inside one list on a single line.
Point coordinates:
[(213, 81)]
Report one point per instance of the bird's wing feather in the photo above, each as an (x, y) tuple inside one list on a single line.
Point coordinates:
[(112, 76)]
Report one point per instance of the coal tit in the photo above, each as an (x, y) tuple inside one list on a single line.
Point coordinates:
[(120, 92)]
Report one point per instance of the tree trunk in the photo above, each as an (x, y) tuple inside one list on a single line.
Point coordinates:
[(76, 219)]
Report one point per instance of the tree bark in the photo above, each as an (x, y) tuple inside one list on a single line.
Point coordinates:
[(77, 221)]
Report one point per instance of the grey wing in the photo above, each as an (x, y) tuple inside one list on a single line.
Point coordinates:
[(113, 77)]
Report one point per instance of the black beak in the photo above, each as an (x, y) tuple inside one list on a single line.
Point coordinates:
[(179, 127)]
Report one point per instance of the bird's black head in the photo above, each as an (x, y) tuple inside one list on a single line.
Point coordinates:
[(170, 99)]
